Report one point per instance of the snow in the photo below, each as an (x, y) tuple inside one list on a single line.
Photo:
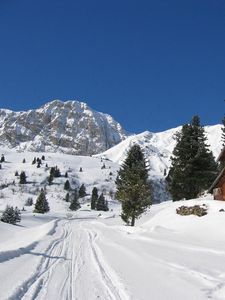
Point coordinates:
[(87, 256)]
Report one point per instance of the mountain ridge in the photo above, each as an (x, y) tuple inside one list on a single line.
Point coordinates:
[(70, 127)]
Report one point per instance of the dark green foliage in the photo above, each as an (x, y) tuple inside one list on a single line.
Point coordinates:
[(55, 172), (110, 173), (43, 157), (41, 205), (50, 179), (23, 178), (24, 160), (223, 131), (75, 205), (193, 167), (94, 198), (81, 170), (34, 161), (38, 164), (67, 198), (11, 215), (66, 175), (102, 204), (29, 202), (103, 166), (2, 158), (67, 185), (82, 191), (133, 188)]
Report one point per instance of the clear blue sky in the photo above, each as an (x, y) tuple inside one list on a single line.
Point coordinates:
[(152, 65)]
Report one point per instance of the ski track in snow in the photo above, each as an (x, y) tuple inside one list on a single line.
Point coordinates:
[(72, 268)]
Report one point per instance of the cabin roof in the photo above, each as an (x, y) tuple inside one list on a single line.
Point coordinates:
[(216, 180)]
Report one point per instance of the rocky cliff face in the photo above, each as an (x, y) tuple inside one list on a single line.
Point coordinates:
[(70, 127)]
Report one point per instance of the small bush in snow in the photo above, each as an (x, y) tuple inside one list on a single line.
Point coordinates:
[(29, 201), (11, 215), (196, 210)]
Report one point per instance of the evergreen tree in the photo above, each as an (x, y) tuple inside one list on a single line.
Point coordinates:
[(75, 205), (23, 178), (223, 131), (94, 198), (43, 157), (193, 167), (67, 185), (81, 170), (41, 205), (133, 188), (2, 158), (102, 204), (34, 161), (50, 179), (11, 215), (82, 191), (66, 175), (67, 198), (24, 160)]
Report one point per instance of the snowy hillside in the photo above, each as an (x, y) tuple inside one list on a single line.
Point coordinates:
[(70, 127), (158, 148), (13, 193)]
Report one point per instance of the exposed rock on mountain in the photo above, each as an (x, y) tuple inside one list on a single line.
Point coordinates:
[(70, 127)]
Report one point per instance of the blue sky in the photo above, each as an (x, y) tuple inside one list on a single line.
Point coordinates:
[(152, 65)]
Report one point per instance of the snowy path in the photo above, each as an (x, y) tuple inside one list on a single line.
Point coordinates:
[(71, 267), (85, 259)]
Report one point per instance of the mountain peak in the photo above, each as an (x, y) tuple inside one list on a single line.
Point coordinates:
[(70, 127)]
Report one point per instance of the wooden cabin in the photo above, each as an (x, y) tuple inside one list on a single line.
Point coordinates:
[(218, 186)]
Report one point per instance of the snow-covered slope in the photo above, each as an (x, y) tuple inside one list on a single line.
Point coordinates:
[(69, 127), (13, 193), (158, 148)]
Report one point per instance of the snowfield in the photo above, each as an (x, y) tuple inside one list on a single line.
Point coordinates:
[(89, 256)]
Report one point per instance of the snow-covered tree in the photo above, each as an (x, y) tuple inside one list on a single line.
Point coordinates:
[(94, 198), (133, 188), (67, 185), (102, 204), (23, 178), (75, 205), (82, 191), (41, 205), (11, 215)]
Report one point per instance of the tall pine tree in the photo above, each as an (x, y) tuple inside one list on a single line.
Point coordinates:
[(75, 205), (94, 198), (133, 189), (193, 167)]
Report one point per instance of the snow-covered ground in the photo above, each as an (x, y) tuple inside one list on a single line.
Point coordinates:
[(88, 256)]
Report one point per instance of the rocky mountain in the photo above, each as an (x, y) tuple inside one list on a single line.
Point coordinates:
[(70, 127)]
